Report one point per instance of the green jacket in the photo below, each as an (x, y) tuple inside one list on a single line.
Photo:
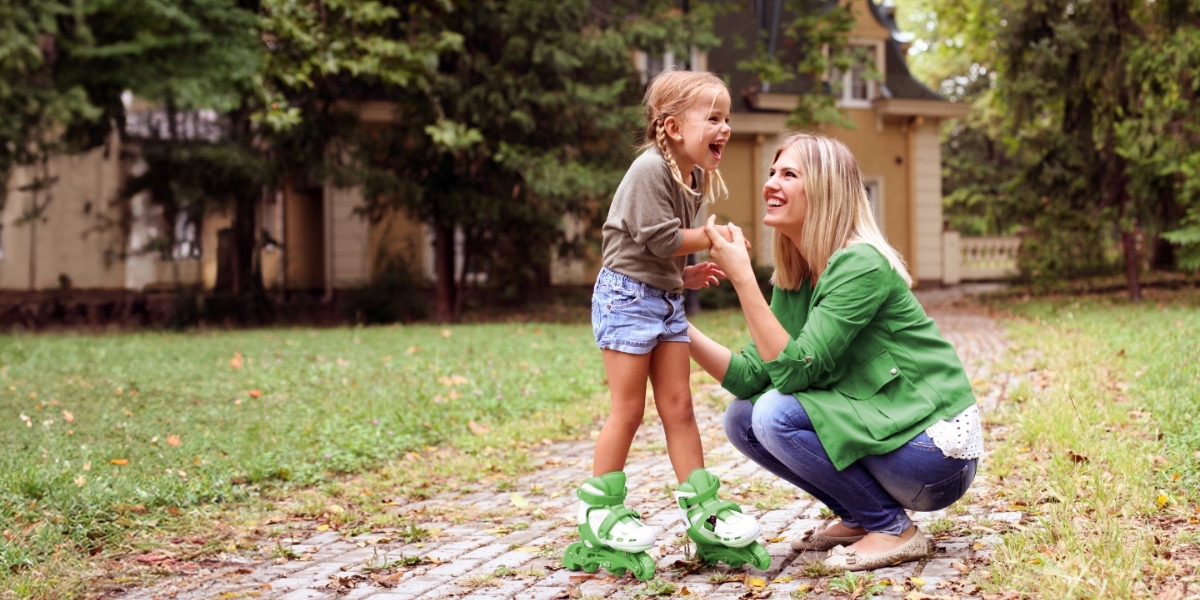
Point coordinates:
[(866, 362)]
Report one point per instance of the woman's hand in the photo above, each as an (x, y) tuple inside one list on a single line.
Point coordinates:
[(731, 254), (702, 275)]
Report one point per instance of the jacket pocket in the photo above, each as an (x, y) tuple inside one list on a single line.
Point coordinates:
[(885, 400)]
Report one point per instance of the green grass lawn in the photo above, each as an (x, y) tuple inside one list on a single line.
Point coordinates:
[(1102, 447), (114, 442)]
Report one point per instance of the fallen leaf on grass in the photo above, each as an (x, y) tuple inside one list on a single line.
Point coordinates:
[(235, 363), (153, 558), (446, 333), (255, 393), (453, 380), (476, 428), (80, 481), (173, 440), (120, 462), (68, 416)]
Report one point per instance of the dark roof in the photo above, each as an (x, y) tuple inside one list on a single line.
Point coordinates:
[(738, 31), (898, 81)]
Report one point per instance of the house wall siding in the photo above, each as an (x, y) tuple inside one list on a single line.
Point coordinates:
[(347, 238), (927, 203), (72, 241)]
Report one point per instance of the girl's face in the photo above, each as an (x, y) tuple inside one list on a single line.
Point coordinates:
[(787, 203), (702, 132)]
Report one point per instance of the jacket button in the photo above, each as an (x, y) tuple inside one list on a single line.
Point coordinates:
[(807, 360), (893, 371)]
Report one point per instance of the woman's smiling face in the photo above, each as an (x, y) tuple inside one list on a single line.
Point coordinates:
[(787, 203)]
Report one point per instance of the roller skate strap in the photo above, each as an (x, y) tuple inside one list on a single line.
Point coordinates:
[(614, 517), (600, 499), (686, 500)]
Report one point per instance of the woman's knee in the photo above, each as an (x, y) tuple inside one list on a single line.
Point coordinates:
[(738, 422), (777, 413)]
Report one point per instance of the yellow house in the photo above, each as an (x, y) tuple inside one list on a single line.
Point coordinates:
[(896, 138), (327, 246)]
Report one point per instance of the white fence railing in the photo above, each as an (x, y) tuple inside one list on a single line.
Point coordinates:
[(979, 258)]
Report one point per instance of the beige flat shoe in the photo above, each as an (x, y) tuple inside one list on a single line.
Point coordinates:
[(815, 541), (841, 557)]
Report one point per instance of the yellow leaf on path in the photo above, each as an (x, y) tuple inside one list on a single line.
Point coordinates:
[(518, 500), (961, 568), (69, 417), (120, 462), (756, 582), (173, 440), (529, 549), (782, 579), (476, 428), (323, 527), (683, 591), (776, 539), (917, 581), (335, 509)]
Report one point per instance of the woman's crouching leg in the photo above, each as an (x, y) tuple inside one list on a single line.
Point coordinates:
[(920, 476), (785, 432)]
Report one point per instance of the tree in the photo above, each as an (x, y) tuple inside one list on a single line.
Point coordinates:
[(1082, 125), (525, 123), (810, 43)]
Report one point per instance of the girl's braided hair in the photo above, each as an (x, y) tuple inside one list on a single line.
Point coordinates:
[(671, 94)]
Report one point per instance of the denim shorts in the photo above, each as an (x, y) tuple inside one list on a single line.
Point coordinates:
[(633, 317)]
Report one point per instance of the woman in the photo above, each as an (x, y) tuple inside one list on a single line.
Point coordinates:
[(848, 390)]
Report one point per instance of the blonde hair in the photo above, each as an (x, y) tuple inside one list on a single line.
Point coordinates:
[(839, 212), (671, 94)]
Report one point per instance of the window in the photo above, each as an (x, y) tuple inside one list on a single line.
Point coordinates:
[(187, 238), (649, 65), (857, 87), (875, 195)]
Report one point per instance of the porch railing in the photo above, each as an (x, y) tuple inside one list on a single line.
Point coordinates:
[(979, 258)]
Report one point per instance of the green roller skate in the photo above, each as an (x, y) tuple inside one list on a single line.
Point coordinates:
[(721, 532), (612, 536)]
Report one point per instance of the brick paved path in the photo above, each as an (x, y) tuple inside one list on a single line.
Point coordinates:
[(498, 551)]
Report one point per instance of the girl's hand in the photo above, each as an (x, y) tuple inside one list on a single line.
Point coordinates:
[(702, 275), (732, 256)]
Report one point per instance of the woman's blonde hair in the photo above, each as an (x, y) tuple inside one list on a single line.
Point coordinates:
[(671, 94), (839, 212)]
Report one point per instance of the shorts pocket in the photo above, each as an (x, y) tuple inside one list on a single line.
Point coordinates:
[(937, 496), (618, 298)]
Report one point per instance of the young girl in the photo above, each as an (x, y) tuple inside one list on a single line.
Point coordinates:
[(639, 323)]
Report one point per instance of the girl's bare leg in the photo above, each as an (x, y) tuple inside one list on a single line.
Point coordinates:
[(627, 375), (670, 374)]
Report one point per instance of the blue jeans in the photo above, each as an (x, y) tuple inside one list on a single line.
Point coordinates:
[(873, 492), (633, 317)]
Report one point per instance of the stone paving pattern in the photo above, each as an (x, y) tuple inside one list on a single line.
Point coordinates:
[(524, 545)]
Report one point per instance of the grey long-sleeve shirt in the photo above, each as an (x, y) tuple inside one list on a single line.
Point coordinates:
[(645, 223)]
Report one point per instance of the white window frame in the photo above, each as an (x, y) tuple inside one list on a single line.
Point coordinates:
[(845, 96), (187, 238)]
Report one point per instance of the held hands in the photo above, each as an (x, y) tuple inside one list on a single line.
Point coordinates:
[(702, 275), (732, 253)]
